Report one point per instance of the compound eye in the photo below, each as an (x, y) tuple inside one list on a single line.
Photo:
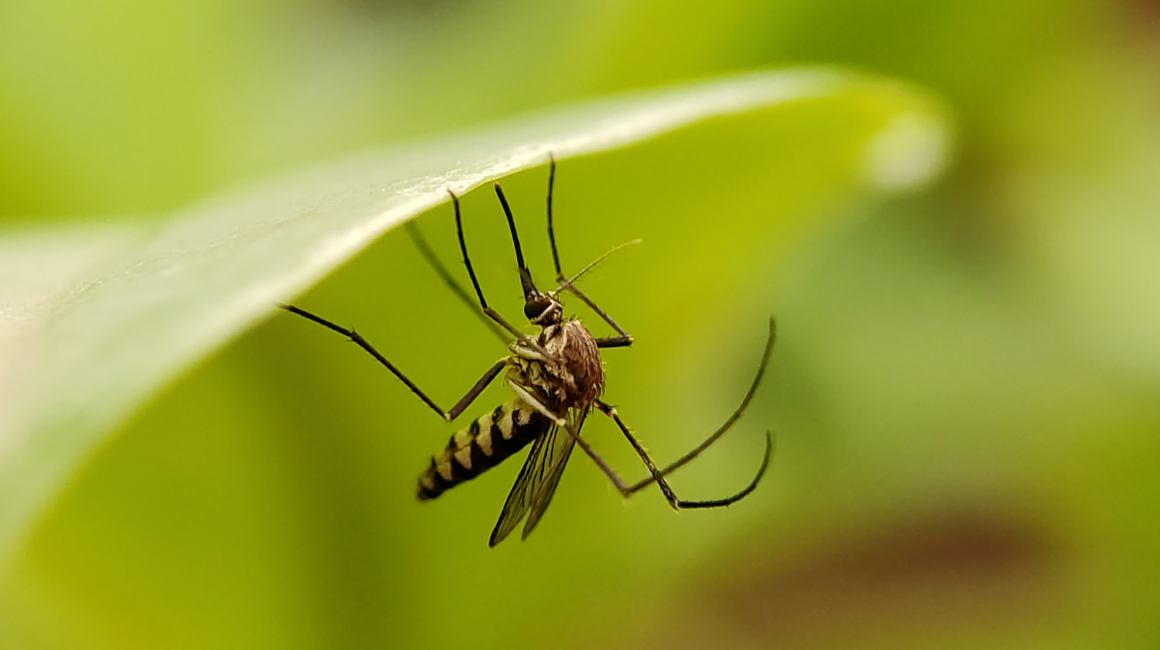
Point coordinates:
[(534, 308)]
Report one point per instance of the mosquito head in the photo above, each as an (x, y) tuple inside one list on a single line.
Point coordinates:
[(543, 309)]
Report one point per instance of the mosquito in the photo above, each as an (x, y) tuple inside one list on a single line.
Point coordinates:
[(557, 378)]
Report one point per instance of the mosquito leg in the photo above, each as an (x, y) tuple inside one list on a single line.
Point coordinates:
[(670, 496), (536, 404), (529, 287), (625, 339), (551, 231), (614, 342), (491, 313), (357, 338), (729, 422), (433, 261), (530, 355), (627, 491), (483, 383), (617, 481), (658, 476)]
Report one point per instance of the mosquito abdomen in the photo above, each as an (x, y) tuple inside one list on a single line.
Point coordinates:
[(481, 446)]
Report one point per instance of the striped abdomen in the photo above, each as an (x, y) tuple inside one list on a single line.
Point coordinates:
[(481, 446)]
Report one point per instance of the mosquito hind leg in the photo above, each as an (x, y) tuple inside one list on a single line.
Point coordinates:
[(612, 474), (658, 476), (678, 504), (680, 462), (358, 340), (670, 496)]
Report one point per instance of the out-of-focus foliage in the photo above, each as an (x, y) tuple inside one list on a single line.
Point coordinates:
[(965, 389)]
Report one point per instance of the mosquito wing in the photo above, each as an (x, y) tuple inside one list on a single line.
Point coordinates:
[(537, 481), (560, 454)]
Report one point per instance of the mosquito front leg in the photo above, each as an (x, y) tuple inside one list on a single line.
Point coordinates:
[(624, 339), (491, 313), (358, 340), (614, 342)]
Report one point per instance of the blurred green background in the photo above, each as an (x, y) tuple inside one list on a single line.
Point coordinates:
[(965, 389)]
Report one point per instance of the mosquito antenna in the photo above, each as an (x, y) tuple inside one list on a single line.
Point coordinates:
[(525, 274), (551, 231), (568, 283)]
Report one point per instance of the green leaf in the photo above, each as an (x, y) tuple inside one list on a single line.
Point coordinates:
[(96, 319)]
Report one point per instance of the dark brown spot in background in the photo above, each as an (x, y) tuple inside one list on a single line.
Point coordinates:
[(932, 576)]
